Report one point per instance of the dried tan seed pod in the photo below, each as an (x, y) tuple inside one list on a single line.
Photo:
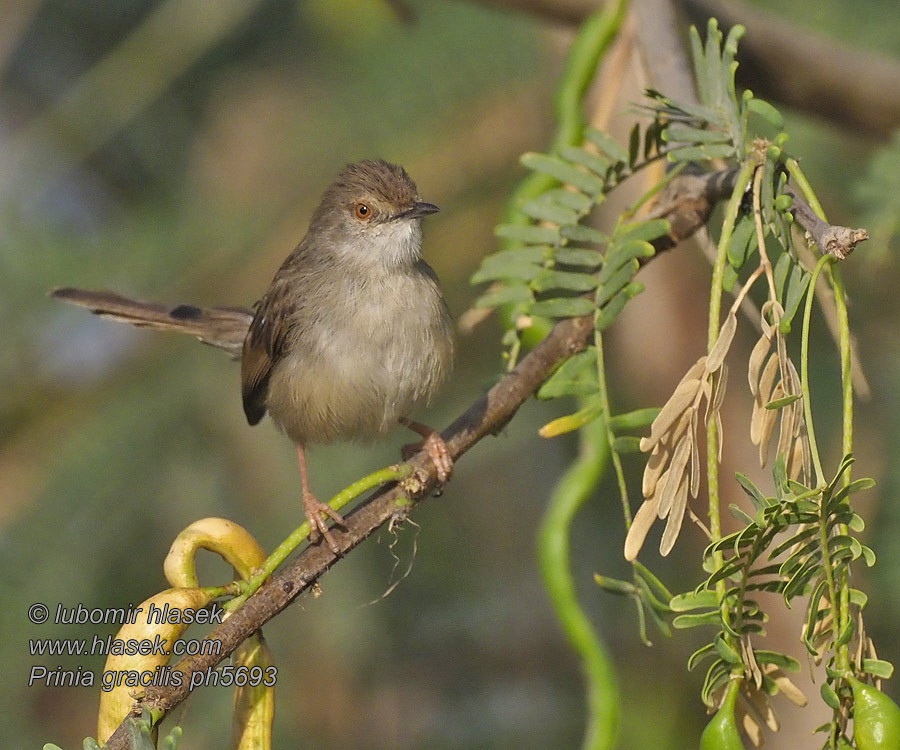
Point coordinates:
[(654, 469), (677, 472), (757, 357), (695, 457), (671, 412), (717, 354), (769, 418), (789, 689), (641, 524), (763, 396), (749, 659), (675, 518), (752, 729)]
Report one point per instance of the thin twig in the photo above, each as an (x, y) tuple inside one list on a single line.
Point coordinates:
[(832, 240)]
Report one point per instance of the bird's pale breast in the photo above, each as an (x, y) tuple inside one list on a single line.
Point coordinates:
[(353, 372)]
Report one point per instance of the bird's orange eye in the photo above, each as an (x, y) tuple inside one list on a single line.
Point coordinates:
[(362, 212)]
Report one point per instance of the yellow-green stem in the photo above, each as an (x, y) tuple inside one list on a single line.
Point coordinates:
[(804, 371), (715, 309), (573, 490), (394, 473), (840, 303), (603, 396)]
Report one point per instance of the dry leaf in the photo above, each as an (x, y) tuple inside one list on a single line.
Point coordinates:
[(720, 436), (753, 730), (763, 396), (770, 417), (695, 458), (789, 689), (757, 357), (786, 428), (718, 397), (683, 396), (717, 354), (676, 473), (676, 518), (749, 659), (641, 524), (654, 469)]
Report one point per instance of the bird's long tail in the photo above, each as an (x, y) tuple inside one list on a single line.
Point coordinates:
[(222, 327)]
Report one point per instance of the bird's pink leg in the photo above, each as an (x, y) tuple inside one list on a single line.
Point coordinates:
[(315, 508)]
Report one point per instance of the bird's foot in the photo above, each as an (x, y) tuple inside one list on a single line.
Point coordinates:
[(434, 445), (318, 527)]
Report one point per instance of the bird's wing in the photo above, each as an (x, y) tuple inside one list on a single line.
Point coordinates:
[(263, 347)]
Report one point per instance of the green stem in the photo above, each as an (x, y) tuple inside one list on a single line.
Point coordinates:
[(842, 656), (794, 171), (715, 310), (570, 494), (603, 396), (838, 591), (593, 39), (394, 473), (840, 301), (804, 371)]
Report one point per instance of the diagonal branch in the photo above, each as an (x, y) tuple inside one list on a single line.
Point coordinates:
[(488, 415), (687, 204)]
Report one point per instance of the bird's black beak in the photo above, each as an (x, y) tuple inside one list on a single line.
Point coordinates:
[(417, 210)]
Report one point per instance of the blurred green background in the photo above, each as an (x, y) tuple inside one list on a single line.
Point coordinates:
[(173, 150)]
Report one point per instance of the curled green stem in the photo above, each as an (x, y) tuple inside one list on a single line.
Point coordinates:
[(570, 494)]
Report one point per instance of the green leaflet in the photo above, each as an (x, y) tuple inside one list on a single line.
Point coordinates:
[(505, 295), (641, 231), (528, 233), (511, 265), (579, 256), (633, 420), (743, 241), (577, 376), (565, 307), (599, 165), (609, 146), (547, 208), (573, 281), (796, 291), (578, 233), (680, 133), (565, 172), (701, 153)]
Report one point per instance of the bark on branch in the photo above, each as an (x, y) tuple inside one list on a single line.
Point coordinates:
[(686, 203)]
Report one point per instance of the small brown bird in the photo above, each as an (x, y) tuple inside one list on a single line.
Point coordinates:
[(352, 333)]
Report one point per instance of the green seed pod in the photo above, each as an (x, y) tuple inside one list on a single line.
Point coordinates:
[(722, 733), (876, 718)]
